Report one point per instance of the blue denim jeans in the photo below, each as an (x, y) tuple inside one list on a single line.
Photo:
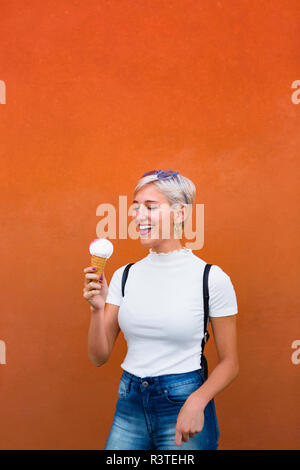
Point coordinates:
[(147, 409)]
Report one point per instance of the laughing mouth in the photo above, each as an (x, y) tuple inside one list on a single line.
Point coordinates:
[(145, 229)]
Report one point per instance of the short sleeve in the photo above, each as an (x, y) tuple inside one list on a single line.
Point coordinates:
[(222, 297), (114, 294)]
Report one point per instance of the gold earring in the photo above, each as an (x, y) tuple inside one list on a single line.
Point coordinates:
[(178, 228)]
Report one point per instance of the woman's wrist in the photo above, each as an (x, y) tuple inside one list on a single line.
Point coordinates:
[(198, 398), (96, 310)]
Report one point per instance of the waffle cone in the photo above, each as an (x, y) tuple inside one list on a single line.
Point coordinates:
[(98, 263)]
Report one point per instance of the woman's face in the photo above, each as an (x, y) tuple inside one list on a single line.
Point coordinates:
[(151, 207)]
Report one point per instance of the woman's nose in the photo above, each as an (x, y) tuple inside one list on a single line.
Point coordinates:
[(142, 213)]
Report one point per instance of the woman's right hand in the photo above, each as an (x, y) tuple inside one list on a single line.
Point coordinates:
[(95, 292)]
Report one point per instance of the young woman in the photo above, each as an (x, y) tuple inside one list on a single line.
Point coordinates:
[(164, 401)]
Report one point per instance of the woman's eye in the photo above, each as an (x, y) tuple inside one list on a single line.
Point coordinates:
[(148, 207)]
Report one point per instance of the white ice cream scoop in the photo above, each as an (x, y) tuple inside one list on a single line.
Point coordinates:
[(101, 247)]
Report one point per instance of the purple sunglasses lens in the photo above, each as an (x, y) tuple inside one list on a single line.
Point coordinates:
[(161, 173), (167, 174), (150, 172)]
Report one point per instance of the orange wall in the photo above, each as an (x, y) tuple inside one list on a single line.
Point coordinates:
[(97, 93)]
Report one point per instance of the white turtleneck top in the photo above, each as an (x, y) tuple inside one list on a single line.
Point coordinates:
[(161, 313)]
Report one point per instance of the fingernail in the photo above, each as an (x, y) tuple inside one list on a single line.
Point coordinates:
[(94, 269)]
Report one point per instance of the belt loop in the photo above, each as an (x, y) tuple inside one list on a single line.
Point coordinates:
[(129, 385)]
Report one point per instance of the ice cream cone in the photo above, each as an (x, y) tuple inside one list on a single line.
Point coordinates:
[(100, 249), (98, 263)]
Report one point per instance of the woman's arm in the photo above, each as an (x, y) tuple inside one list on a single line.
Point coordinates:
[(225, 336)]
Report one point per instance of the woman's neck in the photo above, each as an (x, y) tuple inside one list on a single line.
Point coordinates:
[(165, 246)]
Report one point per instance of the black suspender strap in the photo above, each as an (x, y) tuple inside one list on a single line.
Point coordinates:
[(206, 317), (124, 277)]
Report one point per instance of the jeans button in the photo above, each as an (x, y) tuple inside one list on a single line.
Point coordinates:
[(145, 384)]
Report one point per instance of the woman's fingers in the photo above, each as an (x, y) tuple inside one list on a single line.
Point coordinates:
[(93, 285), (93, 276), (95, 288), (90, 275), (90, 293)]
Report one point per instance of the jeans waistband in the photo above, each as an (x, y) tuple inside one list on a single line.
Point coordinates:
[(163, 379)]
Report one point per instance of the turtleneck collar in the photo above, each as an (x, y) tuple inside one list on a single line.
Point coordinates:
[(170, 256)]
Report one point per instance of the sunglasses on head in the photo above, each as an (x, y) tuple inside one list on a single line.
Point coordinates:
[(161, 174)]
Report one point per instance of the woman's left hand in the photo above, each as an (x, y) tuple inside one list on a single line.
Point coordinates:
[(190, 420)]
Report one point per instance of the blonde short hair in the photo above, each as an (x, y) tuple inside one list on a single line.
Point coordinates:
[(171, 189)]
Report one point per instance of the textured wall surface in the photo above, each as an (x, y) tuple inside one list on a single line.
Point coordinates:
[(93, 94)]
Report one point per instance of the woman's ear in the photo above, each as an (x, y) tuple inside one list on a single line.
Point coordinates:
[(181, 214)]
